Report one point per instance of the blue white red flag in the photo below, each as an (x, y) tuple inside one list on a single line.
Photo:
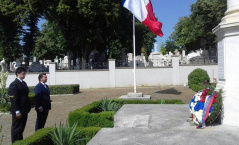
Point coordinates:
[(206, 109), (143, 11)]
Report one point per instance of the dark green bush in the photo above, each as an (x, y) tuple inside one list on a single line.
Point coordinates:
[(41, 137), (90, 116), (86, 133), (198, 77), (61, 89), (5, 107), (197, 88)]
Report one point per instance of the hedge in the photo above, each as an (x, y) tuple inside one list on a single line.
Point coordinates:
[(42, 136), (61, 89), (196, 88), (91, 115)]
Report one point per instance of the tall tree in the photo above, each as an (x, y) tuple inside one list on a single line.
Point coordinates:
[(50, 42), (191, 31), (29, 35), (162, 48)]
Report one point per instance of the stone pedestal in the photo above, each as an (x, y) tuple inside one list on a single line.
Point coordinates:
[(135, 96), (228, 61)]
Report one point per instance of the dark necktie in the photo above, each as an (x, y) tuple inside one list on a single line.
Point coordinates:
[(23, 84)]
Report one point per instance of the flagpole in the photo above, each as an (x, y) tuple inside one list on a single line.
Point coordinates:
[(134, 54)]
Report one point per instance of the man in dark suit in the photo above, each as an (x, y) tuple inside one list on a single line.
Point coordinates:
[(20, 104), (43, 101)]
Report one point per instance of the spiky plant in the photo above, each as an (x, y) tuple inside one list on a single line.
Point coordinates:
[(64, 135), (109, 105)]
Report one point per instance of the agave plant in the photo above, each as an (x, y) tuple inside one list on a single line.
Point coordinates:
[(109, 105), (64, 135)]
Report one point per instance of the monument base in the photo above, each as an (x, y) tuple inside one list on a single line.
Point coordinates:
[(135, 96)]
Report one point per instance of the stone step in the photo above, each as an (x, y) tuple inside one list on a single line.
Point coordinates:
[(161, 125)]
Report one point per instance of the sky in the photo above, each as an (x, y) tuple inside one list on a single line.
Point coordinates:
[(168, 12)]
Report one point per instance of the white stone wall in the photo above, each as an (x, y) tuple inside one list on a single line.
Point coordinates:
[(31, 79), (120, 77), (144, 77)]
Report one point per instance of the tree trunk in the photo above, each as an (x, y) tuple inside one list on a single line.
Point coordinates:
[(69, 59)]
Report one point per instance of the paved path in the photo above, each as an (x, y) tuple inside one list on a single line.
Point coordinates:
[(64, 104)]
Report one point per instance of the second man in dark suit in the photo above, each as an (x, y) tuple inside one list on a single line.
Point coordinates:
[(43, 101)]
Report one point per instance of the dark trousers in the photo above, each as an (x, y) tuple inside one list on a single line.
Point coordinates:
[(41, 119), (18, 126)]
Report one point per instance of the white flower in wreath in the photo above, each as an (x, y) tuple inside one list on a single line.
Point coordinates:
[(198, 96), (198, 115)]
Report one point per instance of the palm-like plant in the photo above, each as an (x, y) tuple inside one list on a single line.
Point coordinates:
[(64, 135), (109, 105)]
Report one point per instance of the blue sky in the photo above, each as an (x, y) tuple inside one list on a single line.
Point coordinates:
[(167, 12)]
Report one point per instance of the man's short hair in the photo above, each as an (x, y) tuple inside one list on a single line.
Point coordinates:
[(41, 76), (20, 70)]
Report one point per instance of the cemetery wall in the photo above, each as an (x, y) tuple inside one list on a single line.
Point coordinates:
[(31, 79), (119, 77), (144, 76)]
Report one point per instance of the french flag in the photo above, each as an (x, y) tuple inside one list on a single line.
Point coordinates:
[(143, 11)]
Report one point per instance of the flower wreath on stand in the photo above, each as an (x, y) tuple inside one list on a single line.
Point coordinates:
[(201, 107)]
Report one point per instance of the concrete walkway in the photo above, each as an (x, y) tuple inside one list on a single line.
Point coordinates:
[(63, 104), (162, 125)]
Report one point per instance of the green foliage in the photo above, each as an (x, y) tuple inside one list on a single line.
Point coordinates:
[(5, 104), (191, 31), (86, 133), (50, 42), (91, 116), (109, 105), (171, 44), (217, 108), (64, 135), (197, 77), (61, 89), (40, 137), (196, 88), (162, 49)]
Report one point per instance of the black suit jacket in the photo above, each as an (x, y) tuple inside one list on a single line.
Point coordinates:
[(20, 100), (42, 97)]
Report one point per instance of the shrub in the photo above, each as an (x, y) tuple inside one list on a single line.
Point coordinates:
[(86, 134), (61, 89), (40, 137), (196, 88), (197, 77)]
